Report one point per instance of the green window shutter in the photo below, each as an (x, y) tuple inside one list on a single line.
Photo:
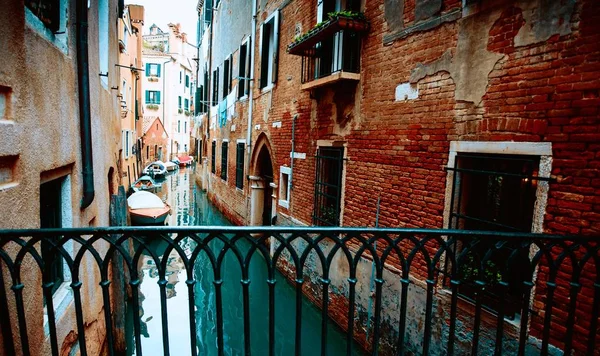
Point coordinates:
[(147, 69), (158, 97), (147, 96), (158, 70)]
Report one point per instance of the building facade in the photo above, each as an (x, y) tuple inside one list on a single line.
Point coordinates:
[(59, 153), (169, 79), (130, 32), (479, 115)]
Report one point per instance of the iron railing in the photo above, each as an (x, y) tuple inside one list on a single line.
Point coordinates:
[(341, 52), (416, 312)]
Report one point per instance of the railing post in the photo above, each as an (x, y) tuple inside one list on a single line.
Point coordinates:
[(7, 338), (118, 217)]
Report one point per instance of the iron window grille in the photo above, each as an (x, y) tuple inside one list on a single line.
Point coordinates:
[(494, 193), (224, 147), (328, 186), (213, 158), (51, 217), (239, 166)]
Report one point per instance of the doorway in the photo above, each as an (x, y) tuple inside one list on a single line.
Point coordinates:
[(264, 169)]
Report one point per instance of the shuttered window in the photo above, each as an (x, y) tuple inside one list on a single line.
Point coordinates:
[(239, 165), (213, 157), (224, 148), (269, 48)]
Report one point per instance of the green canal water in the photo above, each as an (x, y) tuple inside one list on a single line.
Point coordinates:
[(190, 207)]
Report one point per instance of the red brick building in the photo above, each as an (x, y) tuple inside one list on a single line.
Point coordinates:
[(154, 140), (479, 115)]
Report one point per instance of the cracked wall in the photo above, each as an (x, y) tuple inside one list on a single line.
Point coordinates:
[(472, 61)]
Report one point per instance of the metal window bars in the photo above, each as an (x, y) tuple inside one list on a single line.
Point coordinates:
[(426, 319)]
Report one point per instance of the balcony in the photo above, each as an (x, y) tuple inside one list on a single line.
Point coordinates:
[(331, 51), (390, 290)]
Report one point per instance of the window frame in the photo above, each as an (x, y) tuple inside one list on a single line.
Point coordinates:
[(244, 68), (269, 49), (321, 187), (287, 171)]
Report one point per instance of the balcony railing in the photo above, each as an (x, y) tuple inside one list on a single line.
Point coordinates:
[(330, 50), (396, 290)]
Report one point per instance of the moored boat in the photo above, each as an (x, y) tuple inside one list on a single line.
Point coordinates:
[(156, 169), (185, 161), (145, 183), (146, 208), (171, 166)]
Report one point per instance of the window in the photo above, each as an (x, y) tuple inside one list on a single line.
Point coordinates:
[(47, 11), (284, 186), (269, 47), (180, 76), (152, 97), (328, 186), (187, 81), (186, 105), (206, 89), (185, 127), (179, 126), (125, 142), (239, 165), (215, 92), (243, 71), (494, 192), (199, 148), (125, 33), (179, 102), (213, 157), (185, 148), (224, 147), (147, 152), (227, 76), (153, 69), (51, 208)]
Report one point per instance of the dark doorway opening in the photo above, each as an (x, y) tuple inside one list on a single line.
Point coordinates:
[(51, 217), (265, 171)]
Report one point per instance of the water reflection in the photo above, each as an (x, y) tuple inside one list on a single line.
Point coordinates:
[(191, 207)]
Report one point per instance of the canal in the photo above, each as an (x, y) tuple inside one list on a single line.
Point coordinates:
[(190, 207)]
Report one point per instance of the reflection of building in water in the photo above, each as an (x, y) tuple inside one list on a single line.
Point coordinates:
[(174, 267), (178, 191)]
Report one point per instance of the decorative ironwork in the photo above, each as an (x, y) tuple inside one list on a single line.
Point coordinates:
[(570, 265)]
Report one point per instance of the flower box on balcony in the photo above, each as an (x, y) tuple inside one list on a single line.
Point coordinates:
[(324, 30)]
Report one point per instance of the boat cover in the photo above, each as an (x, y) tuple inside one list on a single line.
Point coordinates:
[(144, 200)]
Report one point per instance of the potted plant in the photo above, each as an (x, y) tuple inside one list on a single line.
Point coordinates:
[(180, 111), (152, 107)]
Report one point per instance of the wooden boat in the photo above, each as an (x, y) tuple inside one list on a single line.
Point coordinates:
[(185, 161), (171, 166), (156, 169), (146, 208), (145, 183)]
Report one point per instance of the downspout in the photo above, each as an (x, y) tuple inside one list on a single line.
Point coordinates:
[(251, 91), (291, 182), (209, 91), (85, 122)]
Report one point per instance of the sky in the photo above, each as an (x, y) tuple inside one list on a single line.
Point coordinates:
[(162, 12)]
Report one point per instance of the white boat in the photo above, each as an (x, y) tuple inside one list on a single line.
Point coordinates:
[(156, 169), (145, 183), (146, 208), (171, 166)]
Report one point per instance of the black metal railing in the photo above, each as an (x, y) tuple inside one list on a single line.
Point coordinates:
[(392, 290), (340, 52)]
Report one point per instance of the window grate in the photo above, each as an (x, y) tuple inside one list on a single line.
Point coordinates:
[(213, 157), (328, 186)]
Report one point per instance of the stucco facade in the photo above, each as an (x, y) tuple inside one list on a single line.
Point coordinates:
[(438, 82), (131, 27), (41, 145), (173, 76)]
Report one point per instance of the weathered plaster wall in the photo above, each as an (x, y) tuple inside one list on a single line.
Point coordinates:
[(41, 128)]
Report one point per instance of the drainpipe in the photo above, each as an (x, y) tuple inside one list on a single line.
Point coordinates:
[(291, 182), (83, 86), (164, 99), (251, 91)]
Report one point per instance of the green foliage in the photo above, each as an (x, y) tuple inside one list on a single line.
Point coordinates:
[(332, 16), (180, 111), (470, 271), (152, 107), (187, 113)]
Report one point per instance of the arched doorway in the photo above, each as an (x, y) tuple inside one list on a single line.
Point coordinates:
[(261, 191)]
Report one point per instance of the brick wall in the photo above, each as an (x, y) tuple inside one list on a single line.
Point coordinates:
[(489, 74)]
